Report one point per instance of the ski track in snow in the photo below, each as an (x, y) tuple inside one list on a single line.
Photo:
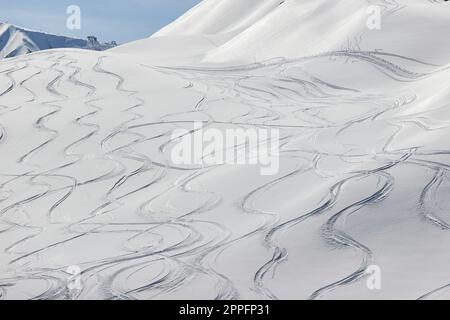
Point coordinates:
[(143, 238)]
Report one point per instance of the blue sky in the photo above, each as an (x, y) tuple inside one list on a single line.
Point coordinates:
[(109, 20)]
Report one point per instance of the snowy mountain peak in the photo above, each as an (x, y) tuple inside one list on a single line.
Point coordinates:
[(16, 41)]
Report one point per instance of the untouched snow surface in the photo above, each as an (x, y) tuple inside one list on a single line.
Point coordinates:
[(15, 41), (87, 182)]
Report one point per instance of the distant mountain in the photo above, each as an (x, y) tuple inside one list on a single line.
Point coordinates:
[(16, 41)]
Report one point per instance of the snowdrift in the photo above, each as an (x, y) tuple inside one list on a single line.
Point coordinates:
[(253, 31)]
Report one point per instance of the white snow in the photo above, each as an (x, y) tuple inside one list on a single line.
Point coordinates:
[(86, 177)]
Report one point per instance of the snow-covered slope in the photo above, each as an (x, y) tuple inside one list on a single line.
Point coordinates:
[(88, 181), (15, 41), (249, 31), (218, 16)]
